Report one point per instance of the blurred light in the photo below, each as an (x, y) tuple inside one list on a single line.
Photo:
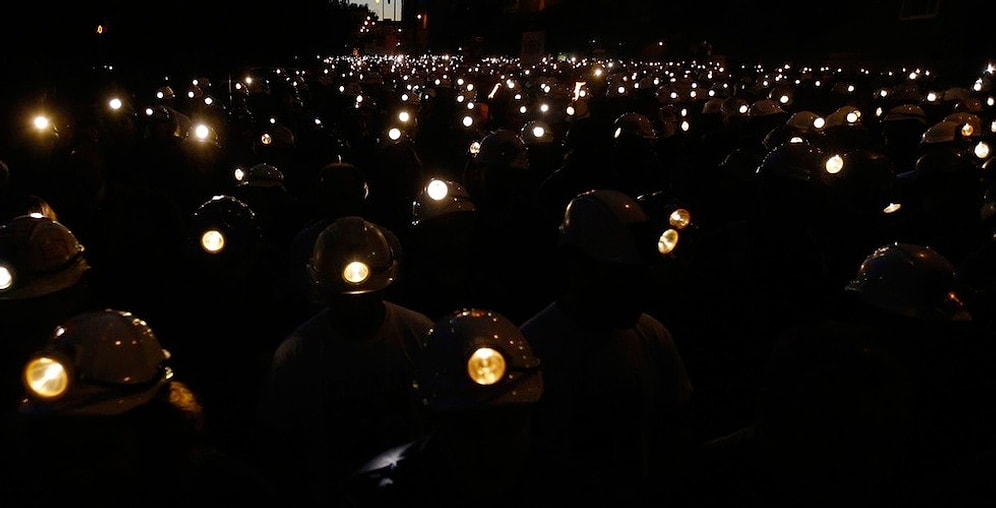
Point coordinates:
[(680, 218), (486, 366), (667, 241), (6, 278), (437, 189), (982, 150), (355, 272), (41, 122), (212, 241), (834, 164)]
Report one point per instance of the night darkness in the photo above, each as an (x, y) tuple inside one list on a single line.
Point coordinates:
[(222, 33)]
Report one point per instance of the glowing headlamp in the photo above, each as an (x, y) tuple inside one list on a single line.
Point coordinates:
[(6, 277), (486, 366), (982, 150), (41, 122), (355, 272), (437, 190), (213, 241), (834, 164), (680, 218), (667, 241), (47, 377)]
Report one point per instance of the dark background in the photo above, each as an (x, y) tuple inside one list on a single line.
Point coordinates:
[(44, 38)]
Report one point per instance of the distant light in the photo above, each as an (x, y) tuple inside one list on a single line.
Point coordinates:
[(892, 208), (437, 189), (680, 218), (41, 122), (212, 241), (6, 278), (982, 150), (486, 366), (834, 164), (667, 242)]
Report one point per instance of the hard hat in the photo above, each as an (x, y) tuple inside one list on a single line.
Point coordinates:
[(736, 107), (611, 227), (503, 148), (165, 93), (845, 116), (945, 131), (354, 256), (971, 124), (225, 225), (161, 121), (936, 165), (99, 362), (805, 122), (633, 125), (864, 178), (275, 136), (38, 256), (793, 162), (476, 358), (910, 280), (714, 106), (342, 181), (902, 112), (536, 132), (764, 107), (440, 197), (262, 174)]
